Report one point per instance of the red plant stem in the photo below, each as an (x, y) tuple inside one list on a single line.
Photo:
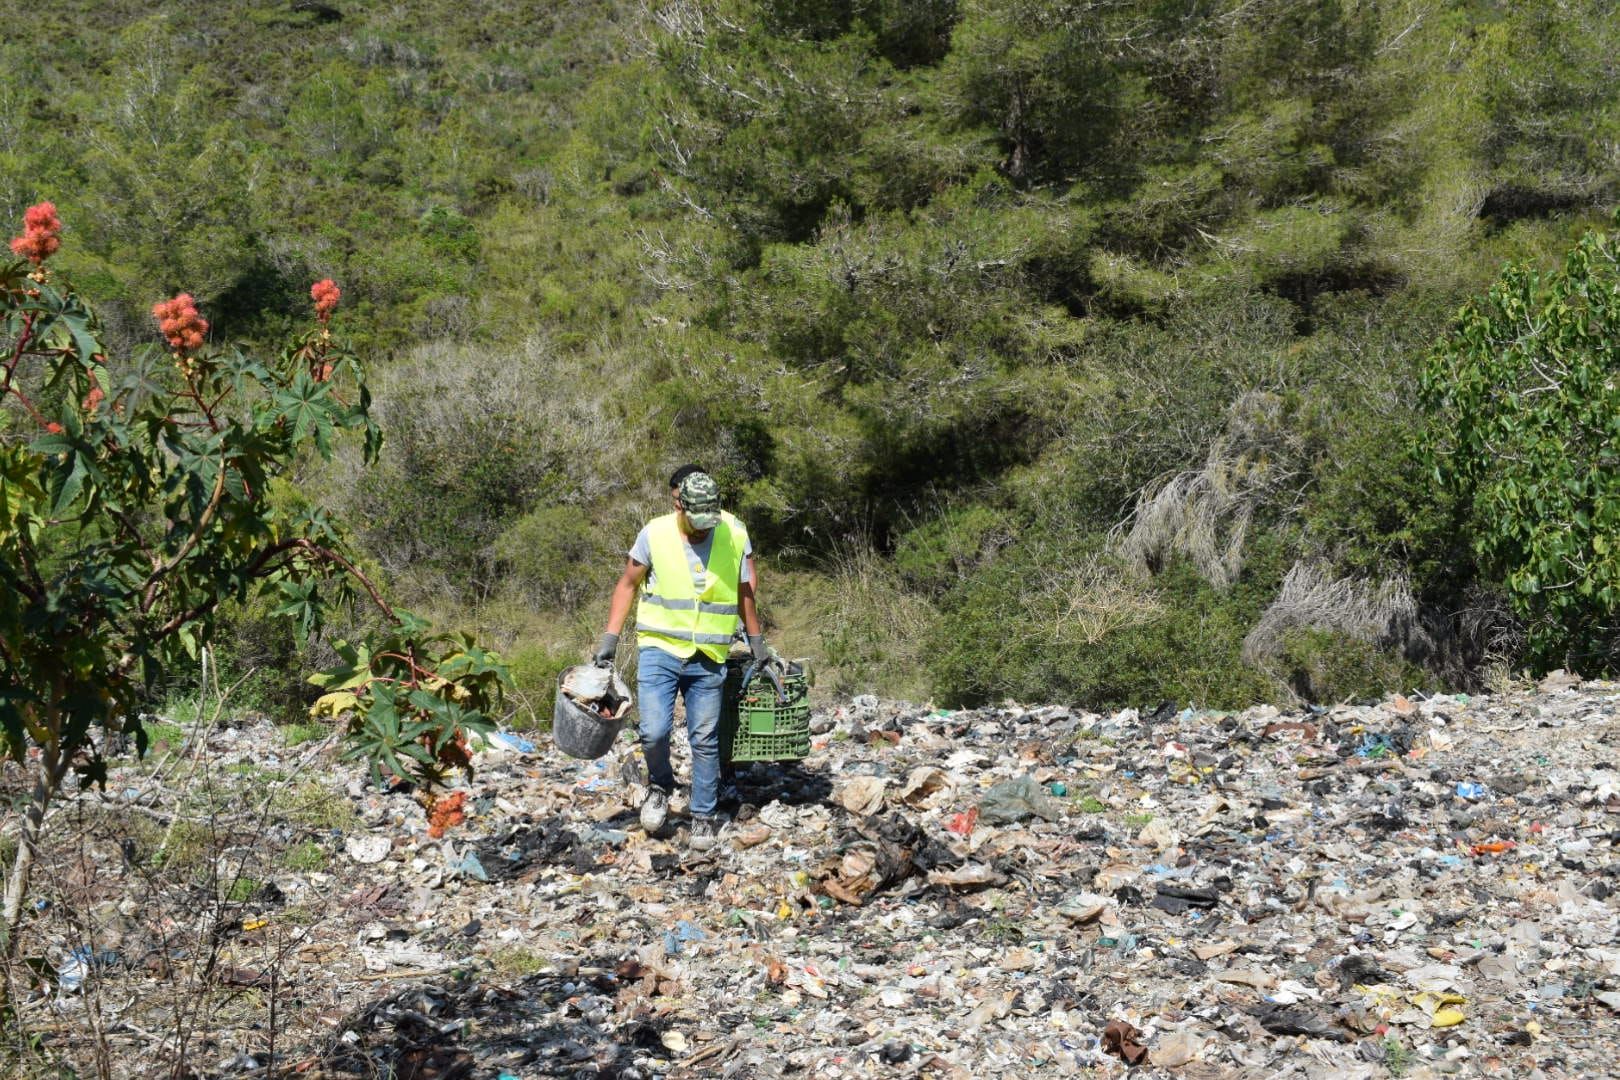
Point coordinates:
[(17, 354), (333, 557), (192, 393), (39, 417), (11, 372), (410, 662)]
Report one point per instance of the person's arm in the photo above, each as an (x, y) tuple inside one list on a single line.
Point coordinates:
[(746, 604), (748, 607), (624, 594)]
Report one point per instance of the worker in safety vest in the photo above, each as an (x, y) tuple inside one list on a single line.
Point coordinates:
[(694, 570)]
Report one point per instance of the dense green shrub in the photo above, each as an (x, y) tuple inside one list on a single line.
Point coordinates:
[(556, 558), (1524, 410), (1326, 667), (1061, 619)]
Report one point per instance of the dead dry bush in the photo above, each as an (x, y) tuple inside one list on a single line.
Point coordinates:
[(1204, 514), (165, 934), (1380, 613), (1098, 597)]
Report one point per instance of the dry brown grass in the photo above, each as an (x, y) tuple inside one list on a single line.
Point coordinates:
[(872, 631)]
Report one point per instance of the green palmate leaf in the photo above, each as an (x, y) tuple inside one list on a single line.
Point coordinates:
[(301, 602), (71, 462), (355, 671), (80, 325), (424, 700), (415, 751), (472, 661), (305, 405)]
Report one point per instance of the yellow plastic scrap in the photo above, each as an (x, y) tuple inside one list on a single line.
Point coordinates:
[(1438, 1007)]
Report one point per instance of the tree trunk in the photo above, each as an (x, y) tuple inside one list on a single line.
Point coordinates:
[(46, 782)]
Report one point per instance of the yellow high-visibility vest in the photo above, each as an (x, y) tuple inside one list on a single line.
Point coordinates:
[(684, 615)]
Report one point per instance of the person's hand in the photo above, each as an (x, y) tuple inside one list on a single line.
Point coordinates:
[(757, 646), (605, 650)]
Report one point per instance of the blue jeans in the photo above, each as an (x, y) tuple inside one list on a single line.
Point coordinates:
[(699, 680)]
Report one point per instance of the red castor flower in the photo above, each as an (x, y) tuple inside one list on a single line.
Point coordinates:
[(446, 813), (326, 295), (180, 323), (41, 233)]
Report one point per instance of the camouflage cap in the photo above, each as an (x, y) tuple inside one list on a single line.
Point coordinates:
[(699, 496)]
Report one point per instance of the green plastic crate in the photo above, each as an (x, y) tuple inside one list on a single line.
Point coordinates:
[(757, 727)]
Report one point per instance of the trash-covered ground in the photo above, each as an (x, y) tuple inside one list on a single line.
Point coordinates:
[(1420, 887)]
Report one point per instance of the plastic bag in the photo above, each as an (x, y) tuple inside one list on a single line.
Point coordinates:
[(1015, 800)]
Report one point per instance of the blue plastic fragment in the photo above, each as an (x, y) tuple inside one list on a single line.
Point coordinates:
[(1375, 745), (511, 740), (684, 932), (469, 866)]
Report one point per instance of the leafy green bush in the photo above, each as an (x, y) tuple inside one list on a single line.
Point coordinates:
[(481, 436), (555, 557), (1522, 398)]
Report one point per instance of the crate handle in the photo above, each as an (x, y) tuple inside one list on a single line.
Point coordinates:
[(768, 668)]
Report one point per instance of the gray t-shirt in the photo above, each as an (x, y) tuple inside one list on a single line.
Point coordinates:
[(697, 557)]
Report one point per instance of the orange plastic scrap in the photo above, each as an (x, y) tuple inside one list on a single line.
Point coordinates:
[(1494, 847)]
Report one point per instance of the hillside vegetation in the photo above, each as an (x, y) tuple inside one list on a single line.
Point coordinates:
[(1050, 349)]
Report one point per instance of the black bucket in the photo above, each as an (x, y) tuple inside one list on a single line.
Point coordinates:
[(581, 731)]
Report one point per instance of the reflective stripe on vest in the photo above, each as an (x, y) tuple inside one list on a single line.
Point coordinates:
[(678, 617), (688, 605)]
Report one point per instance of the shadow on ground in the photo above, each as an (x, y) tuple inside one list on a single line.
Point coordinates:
[(549, 1024)]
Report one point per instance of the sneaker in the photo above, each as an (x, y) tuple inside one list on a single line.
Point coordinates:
[(654, 810), (705, 832)]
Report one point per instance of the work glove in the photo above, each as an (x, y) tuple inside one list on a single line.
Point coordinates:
[(605, 650), (766, 663)]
